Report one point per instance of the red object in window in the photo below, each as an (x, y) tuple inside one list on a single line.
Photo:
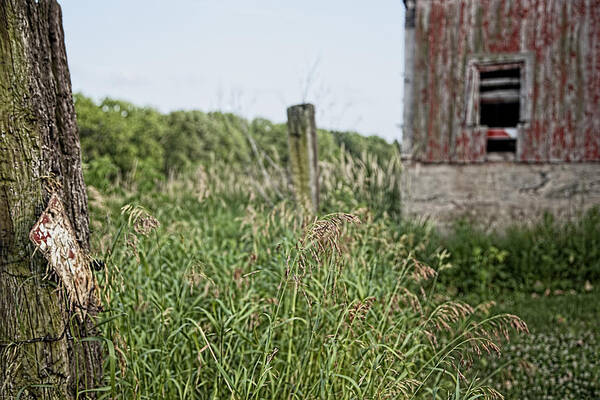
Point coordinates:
[(501, 133)]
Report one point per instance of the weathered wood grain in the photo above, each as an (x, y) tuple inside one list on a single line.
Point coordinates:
[(39, 155)]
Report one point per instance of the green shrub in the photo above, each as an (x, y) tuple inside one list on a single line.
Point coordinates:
[(117, 133), (101, 172), (550, 254)]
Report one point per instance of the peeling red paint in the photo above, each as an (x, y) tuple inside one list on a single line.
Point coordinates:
[(562, 38)]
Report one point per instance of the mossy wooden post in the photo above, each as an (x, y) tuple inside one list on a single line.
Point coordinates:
[(302, 141), (42, 354)]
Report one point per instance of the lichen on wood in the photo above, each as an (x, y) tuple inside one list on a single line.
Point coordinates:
[(302, 143)]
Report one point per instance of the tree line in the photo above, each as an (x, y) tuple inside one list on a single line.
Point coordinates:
[(120, 139)]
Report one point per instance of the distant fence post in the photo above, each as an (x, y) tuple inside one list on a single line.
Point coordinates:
[(302, 142)]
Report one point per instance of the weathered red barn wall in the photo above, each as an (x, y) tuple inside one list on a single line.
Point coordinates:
[(562, 38)]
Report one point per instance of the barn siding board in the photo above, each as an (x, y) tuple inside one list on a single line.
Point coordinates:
[(562, 38)]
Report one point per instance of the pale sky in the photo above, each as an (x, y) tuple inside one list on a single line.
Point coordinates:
[(253, 58)]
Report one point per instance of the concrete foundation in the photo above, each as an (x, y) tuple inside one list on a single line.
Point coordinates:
[(500, 193)]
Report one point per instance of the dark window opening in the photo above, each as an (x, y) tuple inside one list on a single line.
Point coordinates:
[(499, 115), (499, 96), (501, 145), (501, 72), (499, 105)]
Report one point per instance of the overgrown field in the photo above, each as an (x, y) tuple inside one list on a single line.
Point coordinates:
[(231, 297), (238, 295), (217, 286)]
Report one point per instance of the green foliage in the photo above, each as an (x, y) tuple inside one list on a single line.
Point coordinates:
[(194, 137), (118, 134), (356, 144), (146, 146), (550, 254), (230, 298), (273, 139), (101, 172), (559, 360), (541, 272)]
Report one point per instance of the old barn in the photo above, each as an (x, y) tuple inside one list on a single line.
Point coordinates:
[(502, 105)]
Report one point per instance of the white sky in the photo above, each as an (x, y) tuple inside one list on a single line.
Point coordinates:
[(253, 58)]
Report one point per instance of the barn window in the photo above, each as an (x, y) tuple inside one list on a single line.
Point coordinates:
[(498, 88), (500, 104)]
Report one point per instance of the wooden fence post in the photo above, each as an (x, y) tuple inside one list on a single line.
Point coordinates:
[(302, 142)]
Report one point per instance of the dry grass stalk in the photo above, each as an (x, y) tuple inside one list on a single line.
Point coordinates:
[(449, 313), (359, 310), (488, 393), (408, 298), (421, 271), (403, 389), (142, 221), (325, 233)]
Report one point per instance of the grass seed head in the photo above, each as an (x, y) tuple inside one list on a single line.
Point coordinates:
[(142, 221)]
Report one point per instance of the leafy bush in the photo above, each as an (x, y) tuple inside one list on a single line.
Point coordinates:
[(101, 172), (551, 254), (117, 133)]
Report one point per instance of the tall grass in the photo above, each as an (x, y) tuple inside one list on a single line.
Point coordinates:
[(223, 290), (363, 181)]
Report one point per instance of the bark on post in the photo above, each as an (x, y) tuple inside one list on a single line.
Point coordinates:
[(302, 140), (41, 352)]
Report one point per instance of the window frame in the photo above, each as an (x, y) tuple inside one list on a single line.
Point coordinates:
[(483, 63)]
